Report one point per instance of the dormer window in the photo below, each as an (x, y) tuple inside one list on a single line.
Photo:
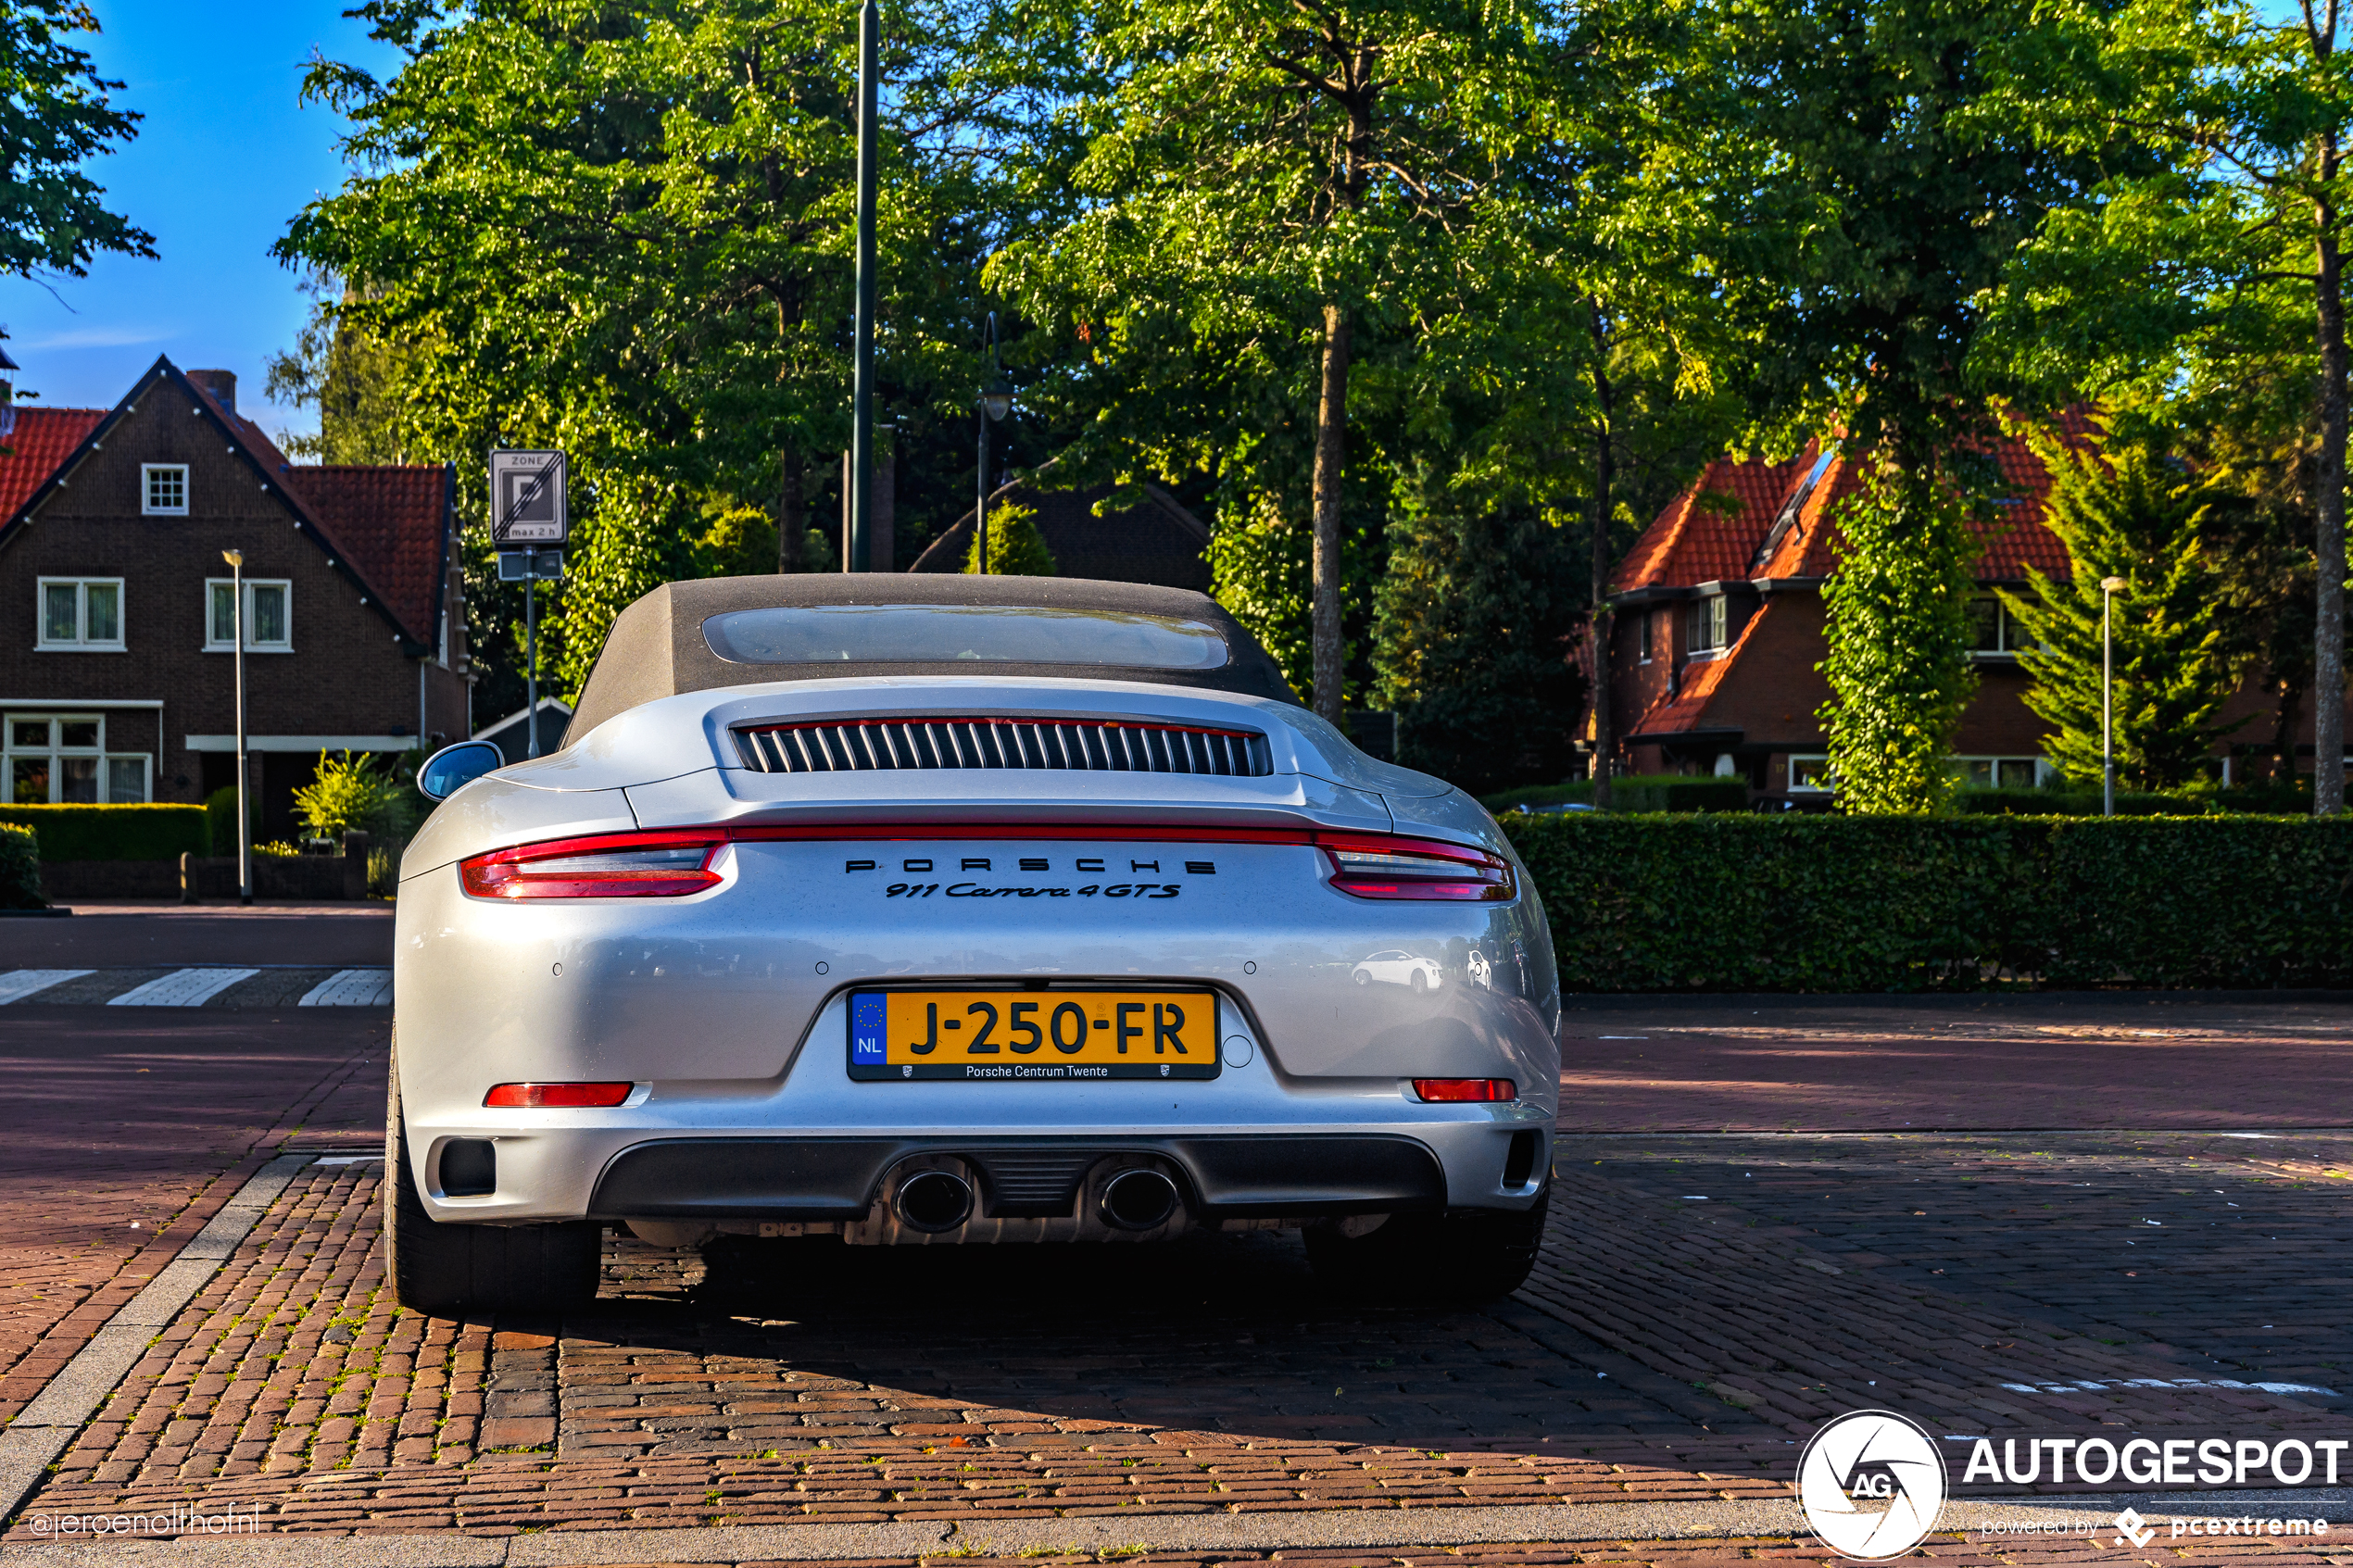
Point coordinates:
[(165, 489)]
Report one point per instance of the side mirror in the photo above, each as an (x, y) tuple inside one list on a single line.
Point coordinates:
[(453, 767)]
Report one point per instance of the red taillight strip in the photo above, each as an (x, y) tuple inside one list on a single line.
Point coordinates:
[(506, 873), (555, 1096), (1465, 1091), (997, 718)]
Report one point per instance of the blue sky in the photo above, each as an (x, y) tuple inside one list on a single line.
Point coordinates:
[(225, 157)]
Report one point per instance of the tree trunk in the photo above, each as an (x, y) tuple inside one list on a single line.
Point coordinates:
[(792, 519), (1331, 451), (2328, 636), (2283, 737), (1598, 627)]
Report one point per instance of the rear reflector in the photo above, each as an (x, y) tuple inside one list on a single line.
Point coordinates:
[(617, 865), (1449, 1091), (1371, 867), (510, 1096)]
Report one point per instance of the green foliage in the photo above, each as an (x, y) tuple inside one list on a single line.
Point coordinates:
[(112, 832), (220, 819), (2082, 803), (1015, 548), (350, 793), (352, 377), (58, 118), (1898, 626), (1854, 904), (2131, 512), (1259, 567), (21, 869), (1475, 614), (1677, 792)]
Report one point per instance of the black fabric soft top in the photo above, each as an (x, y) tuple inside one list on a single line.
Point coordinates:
[(656, 649)]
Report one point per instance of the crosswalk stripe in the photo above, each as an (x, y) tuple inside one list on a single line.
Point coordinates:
[(182, 988), (351, 988), (18, 984)]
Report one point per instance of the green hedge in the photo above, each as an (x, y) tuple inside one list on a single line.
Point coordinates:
[(112, 832), (1849, 904), (20, 869)]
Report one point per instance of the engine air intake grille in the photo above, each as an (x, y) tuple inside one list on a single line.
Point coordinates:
[(858, 746)]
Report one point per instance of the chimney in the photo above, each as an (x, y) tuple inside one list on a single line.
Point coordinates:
[(222, 385)]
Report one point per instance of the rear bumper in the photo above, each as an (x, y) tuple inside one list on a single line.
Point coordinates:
[(819, 1179)]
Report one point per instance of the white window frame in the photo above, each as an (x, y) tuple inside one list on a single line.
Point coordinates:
[(56, 753), (1958, 764), (1790, 775), (1710, 632), (147, 475), (2008, 636), (228, 644), (1646, 636), (81, 643)]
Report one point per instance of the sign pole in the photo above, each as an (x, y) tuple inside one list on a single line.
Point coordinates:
[(531, 663), (862, 404)]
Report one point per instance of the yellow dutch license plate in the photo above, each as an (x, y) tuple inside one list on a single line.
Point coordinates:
[(1013, 1036)]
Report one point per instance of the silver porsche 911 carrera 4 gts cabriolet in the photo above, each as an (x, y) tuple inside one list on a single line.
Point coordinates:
[(958, 910)]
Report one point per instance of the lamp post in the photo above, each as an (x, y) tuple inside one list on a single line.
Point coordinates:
[(2110, 588), (861, 398), (236, 559), (996, 402)]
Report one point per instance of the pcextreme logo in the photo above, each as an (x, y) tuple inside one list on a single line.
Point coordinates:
[(1872, 1485)]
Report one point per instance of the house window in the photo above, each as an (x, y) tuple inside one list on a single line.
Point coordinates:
[(269, 616), (165, 489), (1648, 620), (1997, 773), (78, 614), (1809, 775), (1994, 632), (62, 760), (1709, 622)]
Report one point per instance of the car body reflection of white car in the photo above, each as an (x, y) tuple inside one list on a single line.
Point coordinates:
[(1397, 968)]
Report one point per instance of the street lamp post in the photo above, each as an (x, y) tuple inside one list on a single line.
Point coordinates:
[(2110, 588), (236, 559), (996, 402), (862, 400)]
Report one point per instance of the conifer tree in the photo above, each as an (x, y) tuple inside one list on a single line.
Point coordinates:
[(2136, 512), (1016, 547)]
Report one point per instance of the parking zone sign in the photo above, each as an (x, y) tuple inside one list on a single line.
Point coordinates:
[(527, 499)]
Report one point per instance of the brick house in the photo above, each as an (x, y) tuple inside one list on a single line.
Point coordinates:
[(1720, 625), (119, 685)]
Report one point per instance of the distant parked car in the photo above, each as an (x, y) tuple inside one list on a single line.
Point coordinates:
[(1399, 969), (1549, 809)]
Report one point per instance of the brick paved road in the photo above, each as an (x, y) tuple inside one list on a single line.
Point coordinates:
[(2125, 1061), (1667, 1348)]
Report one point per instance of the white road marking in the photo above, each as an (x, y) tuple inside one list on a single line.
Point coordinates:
[(182, 988), (18, 984), (2168, 1383), (351, 988)]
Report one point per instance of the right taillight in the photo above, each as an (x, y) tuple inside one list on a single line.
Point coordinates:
[(1465, 1091), (620, 865), (1416, 868)]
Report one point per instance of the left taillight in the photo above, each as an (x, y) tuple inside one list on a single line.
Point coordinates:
[(1371, 867), (621, 865)]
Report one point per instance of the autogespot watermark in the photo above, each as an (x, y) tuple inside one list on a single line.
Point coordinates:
[(179, 1520), (1873, 1484)]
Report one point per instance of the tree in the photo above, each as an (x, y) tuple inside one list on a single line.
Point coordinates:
[(1015, 548), (2196, 269), (55, 115), (1263, 191), (2132, 510), (626, 232), (1895, 185), (1476, 612)]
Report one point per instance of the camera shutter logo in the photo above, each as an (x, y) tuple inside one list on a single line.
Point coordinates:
[(1871, 1484)]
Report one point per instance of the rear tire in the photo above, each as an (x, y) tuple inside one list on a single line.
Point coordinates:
[(1460, 1257), (447, 1269)]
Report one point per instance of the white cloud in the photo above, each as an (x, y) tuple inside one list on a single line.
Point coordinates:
[(101, 338)]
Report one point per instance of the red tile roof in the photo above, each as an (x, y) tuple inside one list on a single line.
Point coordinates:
[(2012, 539), (43, 439), (390, 519), (1710, 531)]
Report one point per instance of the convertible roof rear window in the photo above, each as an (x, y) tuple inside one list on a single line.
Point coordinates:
[(910, 633)]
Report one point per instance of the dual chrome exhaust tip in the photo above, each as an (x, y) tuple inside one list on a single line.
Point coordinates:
[(1135, 1197)]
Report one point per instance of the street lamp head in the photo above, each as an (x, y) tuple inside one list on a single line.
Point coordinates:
[(997, 398), (2111, 584), (235, 558)]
